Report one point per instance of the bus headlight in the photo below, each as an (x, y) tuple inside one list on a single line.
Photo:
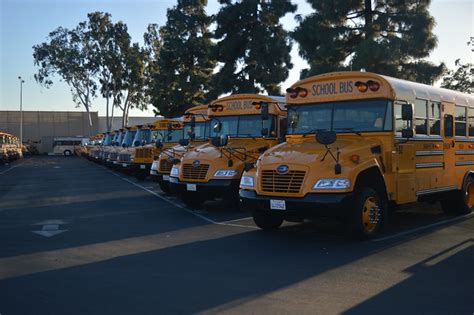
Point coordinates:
[(332, 183), (154, 165), (225, 173), (174, 171), (246, 181)]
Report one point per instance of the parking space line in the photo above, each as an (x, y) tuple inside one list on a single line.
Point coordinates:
[(179, 205), (421, 228), (9, 169)]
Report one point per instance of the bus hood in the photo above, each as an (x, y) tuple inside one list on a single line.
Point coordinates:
[(209, 152), (306, 151)]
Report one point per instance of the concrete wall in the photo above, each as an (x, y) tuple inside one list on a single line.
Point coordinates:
[(43, 126)]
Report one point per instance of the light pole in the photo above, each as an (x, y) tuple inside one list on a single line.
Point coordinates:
[(21, 109)]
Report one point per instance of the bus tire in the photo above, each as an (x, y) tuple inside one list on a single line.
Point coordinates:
[(460, 202), (165, 187), (192, 200), (67, 153), (267, 221), (367, 214)]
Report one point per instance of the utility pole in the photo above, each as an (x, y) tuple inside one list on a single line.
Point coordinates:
[(21, 109)]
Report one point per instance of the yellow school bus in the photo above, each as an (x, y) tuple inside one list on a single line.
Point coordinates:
[(242, 127), (359, 142), (148, 143), (110, 155), (10, 148), (196, 131), (96, 151), (93, 141), (122, 155)]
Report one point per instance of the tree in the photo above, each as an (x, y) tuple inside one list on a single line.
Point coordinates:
[(253, 48), (67, 54), (129, 82), (106, 40), (184, 68), (389, 37), (461, 79)]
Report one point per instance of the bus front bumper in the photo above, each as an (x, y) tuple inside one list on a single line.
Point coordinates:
[(313, 205), (159, 177), (214, 188)]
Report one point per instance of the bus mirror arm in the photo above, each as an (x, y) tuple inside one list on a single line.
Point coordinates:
[(337, 167)]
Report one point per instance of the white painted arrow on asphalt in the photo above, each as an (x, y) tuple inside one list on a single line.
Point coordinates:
[(50, 228)]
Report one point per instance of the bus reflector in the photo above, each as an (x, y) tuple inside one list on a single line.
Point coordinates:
[(293, 93), (302, 92), (373, 86)]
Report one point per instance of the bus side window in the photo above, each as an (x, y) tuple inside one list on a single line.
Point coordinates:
[(448, 125)]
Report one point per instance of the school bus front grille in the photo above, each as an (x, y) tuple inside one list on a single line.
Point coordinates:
[(165, 166), (195, 173), (143, 153), (124, 157), (113, 156), (289, 182)]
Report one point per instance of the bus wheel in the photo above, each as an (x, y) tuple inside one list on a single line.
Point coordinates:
[(67, 153), (192, 200), (461, 202), (368, 214), (267, 221), (165, 187)]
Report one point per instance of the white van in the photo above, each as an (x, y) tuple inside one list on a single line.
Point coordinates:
[(66, 145)]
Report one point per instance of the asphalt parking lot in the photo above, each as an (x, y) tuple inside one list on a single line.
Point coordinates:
[(77, 238)]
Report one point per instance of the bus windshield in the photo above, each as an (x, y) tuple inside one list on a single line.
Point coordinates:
[(342, 117), (107, 140), (201, 130), (128, 138), (143, 136), (167, 135), (120, 137), (241, 126)]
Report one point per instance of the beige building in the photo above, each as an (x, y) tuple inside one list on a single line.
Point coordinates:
[(41, 127)]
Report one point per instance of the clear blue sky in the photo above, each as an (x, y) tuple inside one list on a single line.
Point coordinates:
[(24, 23)]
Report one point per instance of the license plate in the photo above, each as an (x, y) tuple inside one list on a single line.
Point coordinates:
[(124, 165), (167, 178), (142, 167), (115, 162), (277, 204), (191, 187), (153, 172)]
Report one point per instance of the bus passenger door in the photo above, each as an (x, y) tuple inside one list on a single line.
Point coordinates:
[(449, 144)]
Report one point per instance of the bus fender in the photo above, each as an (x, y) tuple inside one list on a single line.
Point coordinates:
[(372, 177)]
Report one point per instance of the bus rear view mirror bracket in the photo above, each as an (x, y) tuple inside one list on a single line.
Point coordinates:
[(407, 112), (264, 132), (221, 141)]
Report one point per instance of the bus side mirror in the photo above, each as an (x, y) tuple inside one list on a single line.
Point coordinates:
[(136, 143), (184, 142), (264, 111), (170, 126), (217, 127), (221, 141), (143, 142), (123, 145), (407, 112), (158, 144), (326, 137)]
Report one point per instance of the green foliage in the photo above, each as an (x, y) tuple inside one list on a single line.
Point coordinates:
[(67, 54), (253, 49), (389, 37), (461, 79), (181, 75)]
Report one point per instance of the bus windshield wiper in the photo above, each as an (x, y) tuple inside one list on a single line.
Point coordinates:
[(349, 129)]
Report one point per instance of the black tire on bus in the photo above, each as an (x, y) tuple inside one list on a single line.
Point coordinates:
[(192, 199), (460, 202), (165, 187), (367, 214), (267, 221), (67, 153)]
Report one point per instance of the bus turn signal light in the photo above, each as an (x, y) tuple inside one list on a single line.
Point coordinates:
[(355, 158), (361, 86)]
